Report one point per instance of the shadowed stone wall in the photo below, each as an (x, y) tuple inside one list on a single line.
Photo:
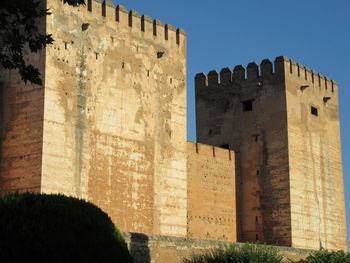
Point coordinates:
[(165, 249)]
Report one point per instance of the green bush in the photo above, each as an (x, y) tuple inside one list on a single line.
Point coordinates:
[(55, 228), (327, 257), (247, 253)]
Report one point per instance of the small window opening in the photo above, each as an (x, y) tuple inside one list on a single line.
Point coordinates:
[(256, 137), (256, 219), (160, 54), (305, 74), (314, 111), (257, 172), (171, 80), (225, 146), (290, 67), (123, 64), (147, 73), (257, 237), (96, 55), (247, 105), (65, 45)]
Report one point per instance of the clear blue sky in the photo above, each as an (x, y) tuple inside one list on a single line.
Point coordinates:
[(315, 33)]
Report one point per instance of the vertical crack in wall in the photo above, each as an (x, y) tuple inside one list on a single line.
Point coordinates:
[(80, 123), (326, 168), (315, 152)]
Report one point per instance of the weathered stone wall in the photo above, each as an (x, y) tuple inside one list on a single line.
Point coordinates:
[(211, 200), (115, 115), (317, 189), (248, 115), (21, 127), (165, 249)]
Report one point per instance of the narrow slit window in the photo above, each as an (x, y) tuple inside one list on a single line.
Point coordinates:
[(247, 105), (89, 5), (256, 219), (257, 172), (257, 237), (314, 111)]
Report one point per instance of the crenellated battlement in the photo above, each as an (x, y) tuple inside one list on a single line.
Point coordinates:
[(308, 75), (267, 70), (209, 151), (132, 19)]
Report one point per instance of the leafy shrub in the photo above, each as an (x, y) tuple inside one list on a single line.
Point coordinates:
[(55, 228), (327, 257), (247, 253)]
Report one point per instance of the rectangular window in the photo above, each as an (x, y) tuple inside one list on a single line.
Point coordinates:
[(247, 105), (314, 111)]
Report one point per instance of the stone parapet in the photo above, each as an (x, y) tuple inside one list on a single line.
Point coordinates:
[(166, 249)]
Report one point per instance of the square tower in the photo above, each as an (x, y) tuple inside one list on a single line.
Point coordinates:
[(282, 122), (109, 123)]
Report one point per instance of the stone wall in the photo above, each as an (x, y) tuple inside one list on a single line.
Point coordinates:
[(164, 249), (21, 126), (211, 193)]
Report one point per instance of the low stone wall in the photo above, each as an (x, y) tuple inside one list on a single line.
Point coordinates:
[(165, 249)]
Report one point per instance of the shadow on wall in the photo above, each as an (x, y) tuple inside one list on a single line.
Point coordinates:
[(139, 248)]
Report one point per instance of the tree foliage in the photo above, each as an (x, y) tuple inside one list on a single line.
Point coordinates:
[(19, 31), (235, 253), (326, 256), (56, 228)]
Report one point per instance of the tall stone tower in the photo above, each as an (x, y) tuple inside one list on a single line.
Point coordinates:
[(282, 121), (109, 123)]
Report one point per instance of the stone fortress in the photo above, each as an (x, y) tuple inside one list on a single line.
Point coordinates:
[(109, 126)]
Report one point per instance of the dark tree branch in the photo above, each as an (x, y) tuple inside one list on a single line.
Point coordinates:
[(19, 31)]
